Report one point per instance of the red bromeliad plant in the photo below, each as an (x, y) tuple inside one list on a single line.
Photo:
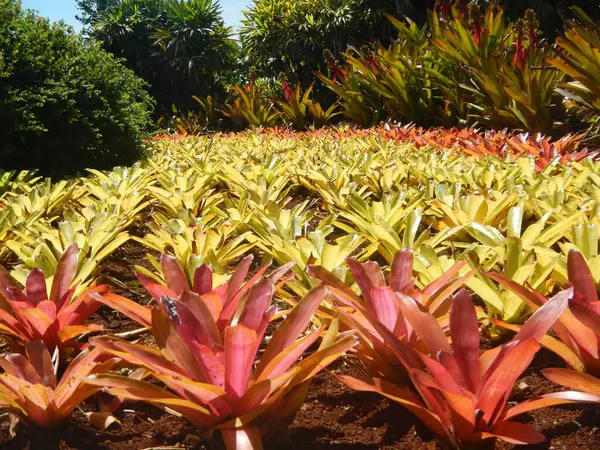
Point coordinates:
[(55, 318), (213, 368), (222, 301), (29, 387), (577, 329), (378, 304), (460, 394)]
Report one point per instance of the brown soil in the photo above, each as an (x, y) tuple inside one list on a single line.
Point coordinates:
[(333, 416), (119, 274)]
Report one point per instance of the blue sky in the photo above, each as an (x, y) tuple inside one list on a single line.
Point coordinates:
[(66, 9)]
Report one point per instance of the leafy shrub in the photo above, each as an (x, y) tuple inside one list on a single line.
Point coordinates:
[(250, 105), (498, 68), (578, 58), (466, 68), (249, 108), (378, 83), (181, 47), (65, 104), (290, 35)]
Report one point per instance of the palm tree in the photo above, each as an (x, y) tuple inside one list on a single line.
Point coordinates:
[(178, 46)]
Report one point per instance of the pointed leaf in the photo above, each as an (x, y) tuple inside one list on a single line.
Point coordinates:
[(35, 287), (424, 324), (293, 325), (574, 380), (257, 302), (542, 320), (203, 280), (464, 330), (63, 274), (41, 361), (517, 433), (174, 275), (581, 277), (131, 309), (240, 345)]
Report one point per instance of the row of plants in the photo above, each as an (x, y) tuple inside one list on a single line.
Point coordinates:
[(431, 75), (419, 347), (466, 67), (469, 141), (513, 228), (369, 197)]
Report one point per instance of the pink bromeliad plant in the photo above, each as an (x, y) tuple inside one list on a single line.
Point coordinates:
[(460, 393), (378, 306), (222, 301), (33, 390), (213, 357), (55, 317), (577, 331)]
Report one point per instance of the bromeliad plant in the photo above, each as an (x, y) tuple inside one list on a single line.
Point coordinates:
[(286, 247), (297, 109), (209, 358), (249, 107), (460, 394), (578, 58), (378, 83), (222, 301), (294, 105), (578, 329), (499, 68), (31, 389), (378, 306), (193, 244), (96, 236), (56, 318)]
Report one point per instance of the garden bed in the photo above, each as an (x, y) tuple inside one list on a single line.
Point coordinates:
[(332, 416)]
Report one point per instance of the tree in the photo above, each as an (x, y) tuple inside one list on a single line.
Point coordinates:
[(92, 9), (65, 104), (181, 47), (290, 35)]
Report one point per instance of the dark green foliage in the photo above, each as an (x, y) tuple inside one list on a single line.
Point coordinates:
[(468, 67), (65, 104), (290, 35), (92, 9), (181, 47), (551, 13)]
